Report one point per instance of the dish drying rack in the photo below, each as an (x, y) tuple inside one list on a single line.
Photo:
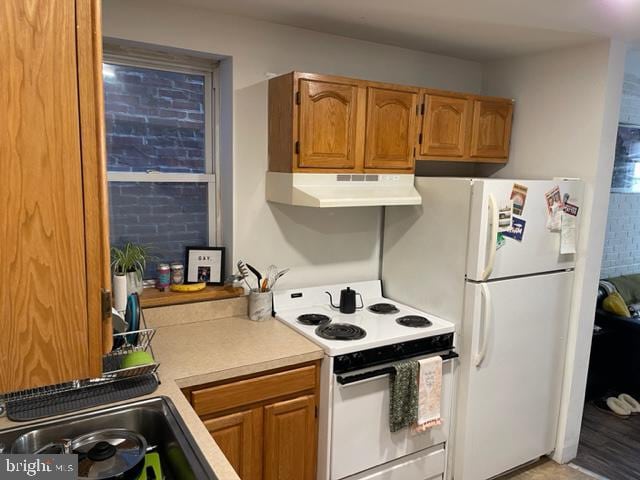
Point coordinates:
[(115, 384)]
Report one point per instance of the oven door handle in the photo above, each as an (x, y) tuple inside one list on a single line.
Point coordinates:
[(346, 380)]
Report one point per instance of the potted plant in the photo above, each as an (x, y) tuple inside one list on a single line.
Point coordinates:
[(130, 262)]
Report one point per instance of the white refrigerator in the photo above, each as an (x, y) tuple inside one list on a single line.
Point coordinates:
[(496, 257)]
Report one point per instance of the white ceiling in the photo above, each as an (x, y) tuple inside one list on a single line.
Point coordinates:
[(474, 29)]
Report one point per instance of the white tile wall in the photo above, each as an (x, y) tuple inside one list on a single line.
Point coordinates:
[(630, 106), (622, 240)]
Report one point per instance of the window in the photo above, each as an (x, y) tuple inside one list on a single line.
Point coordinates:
[(626, 166), (160, 155)]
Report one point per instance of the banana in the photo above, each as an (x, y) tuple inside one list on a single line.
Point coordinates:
[(188, 287)]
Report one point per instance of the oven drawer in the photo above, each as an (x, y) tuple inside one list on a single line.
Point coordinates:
[(361, 438), (425, 465)]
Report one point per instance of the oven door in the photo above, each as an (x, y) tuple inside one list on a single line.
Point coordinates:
[(360, 433)]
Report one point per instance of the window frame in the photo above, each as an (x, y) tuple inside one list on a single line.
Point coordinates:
[(211, 135)]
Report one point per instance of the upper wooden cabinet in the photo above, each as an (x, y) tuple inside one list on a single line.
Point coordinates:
[(466, 128), (491, 130), (391, 129), (54, 258), (328, 124), (445, 126)]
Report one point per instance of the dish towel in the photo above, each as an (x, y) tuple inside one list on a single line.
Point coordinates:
[(429, 393), (403, 407)]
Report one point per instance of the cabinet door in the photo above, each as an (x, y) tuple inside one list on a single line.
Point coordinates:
[(391, 129), (327, 125), (445, 126), (491, 130), (239, 436), (50, 334), (290, 439)]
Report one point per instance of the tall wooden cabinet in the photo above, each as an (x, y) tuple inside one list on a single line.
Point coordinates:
[(54, 260), (266, 425)]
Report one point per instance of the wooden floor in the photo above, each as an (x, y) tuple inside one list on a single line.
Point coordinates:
[(609, 446)]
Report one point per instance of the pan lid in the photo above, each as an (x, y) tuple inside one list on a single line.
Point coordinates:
[(109, 453)]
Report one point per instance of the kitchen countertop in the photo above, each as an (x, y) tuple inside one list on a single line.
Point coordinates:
[(210, 350)]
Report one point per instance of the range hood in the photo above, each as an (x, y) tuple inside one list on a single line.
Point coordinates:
[(342, 190)]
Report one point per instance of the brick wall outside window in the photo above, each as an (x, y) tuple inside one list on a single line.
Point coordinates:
[(155, 120)]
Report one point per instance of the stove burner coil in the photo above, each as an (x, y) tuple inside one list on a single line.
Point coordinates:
[(313, 319), (383, 308), (415, 321), (340, 331)]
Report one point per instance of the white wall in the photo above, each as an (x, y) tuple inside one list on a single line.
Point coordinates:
[(565, 122), (321, 246)]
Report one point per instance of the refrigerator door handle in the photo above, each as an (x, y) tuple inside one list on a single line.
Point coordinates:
[(493, 237), (486, 317)]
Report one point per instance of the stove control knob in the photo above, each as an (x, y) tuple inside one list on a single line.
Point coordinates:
[(399, 349), (357, 358), (344, 361)]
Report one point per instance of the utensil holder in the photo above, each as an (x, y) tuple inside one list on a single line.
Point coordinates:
[(260, 305)]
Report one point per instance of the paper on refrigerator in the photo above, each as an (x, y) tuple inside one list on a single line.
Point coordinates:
[(554, 209), (567, 234)]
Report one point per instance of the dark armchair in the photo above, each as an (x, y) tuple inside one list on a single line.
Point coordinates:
[(614, 365)]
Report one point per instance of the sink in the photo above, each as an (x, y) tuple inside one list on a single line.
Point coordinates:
[(156, 419)]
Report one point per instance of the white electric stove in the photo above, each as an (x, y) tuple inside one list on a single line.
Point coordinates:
[(295, 306), (355, 442)]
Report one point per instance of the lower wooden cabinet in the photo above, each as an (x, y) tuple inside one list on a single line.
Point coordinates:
[(239, 436), (266, 425), (289, 439)]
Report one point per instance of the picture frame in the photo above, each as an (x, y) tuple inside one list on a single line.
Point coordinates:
[(204, 264)]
